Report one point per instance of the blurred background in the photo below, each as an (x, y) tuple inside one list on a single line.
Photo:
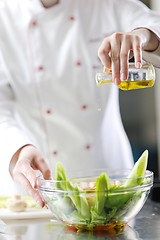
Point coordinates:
[(141, 117)]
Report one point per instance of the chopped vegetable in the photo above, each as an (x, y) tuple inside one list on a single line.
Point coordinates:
[(138, 171), (106, 202), (75, 193)]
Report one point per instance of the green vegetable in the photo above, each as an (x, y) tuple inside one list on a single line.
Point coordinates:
[(138, 171), (60, 176), (109, 201), (74, 192), (119, 199), (102, 186), (98, 214)]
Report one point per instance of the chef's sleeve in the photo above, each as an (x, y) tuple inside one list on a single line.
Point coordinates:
[(133, 14), (12, 137)]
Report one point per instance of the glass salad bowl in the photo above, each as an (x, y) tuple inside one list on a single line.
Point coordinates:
[(101, 200)]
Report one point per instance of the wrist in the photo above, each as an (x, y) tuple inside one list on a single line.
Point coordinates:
[(150, 41)]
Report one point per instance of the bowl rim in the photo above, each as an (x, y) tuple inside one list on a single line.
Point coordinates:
[(49, 188)]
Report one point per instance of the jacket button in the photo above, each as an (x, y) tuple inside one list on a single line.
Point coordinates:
[(84, 107), (72, 18), (88, 147), (34, 23), (55, 152), (48, 111), (40, 68), (78, 63)]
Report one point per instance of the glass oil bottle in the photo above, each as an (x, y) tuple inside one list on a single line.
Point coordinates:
[(138, 78)]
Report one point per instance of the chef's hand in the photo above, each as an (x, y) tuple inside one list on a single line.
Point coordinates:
[(116, 50), (23, 167)]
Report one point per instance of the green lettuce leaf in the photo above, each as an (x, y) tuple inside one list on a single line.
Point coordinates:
[(138, 171), (76, 194), (108, 203)]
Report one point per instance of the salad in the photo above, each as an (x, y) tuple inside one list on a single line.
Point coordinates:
[(102, 201)]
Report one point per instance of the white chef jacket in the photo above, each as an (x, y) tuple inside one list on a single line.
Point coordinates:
[(48, 94)]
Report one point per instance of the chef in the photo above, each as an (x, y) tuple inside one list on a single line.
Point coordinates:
[(50, 106)]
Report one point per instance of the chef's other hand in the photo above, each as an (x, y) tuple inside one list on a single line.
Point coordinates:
[(116, 50), (23, 168)]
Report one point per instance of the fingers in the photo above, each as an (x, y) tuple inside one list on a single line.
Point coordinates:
[(103, 53), (115, 50), (23, 170), (115, 58), (109, 54), (30, 190), (31, 159), (43, 167), (126, 46), (137, 51), (26, 184)]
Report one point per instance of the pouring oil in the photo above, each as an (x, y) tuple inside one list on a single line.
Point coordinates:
[(137, 78)]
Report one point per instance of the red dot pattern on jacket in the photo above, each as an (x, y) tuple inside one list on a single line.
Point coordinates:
[(55, 153), (88, 146), (78, 63), (72, 18), (34, 23), (40, 68), (48, 111), (84, 107)]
